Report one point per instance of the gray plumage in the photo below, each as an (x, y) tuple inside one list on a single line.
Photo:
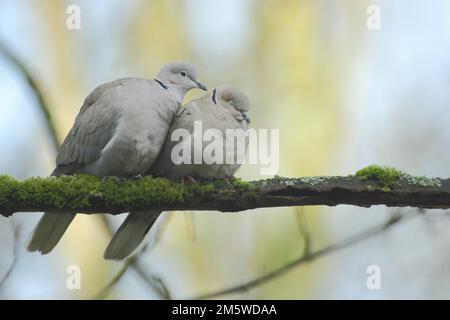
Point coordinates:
[(224, 108), (119, 131)]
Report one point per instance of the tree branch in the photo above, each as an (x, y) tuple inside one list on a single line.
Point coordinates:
[(15, 256), (36, 90), (87, 194), (306, 257), (156, 284)]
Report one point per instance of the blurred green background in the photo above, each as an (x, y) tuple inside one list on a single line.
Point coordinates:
[(342, 95)]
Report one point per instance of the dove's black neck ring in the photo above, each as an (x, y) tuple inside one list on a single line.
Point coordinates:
[(161, 84), (214, 96)]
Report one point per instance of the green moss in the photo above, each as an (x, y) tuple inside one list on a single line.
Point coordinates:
[(52, 191), (82, 191), (387, 177), (233, 189), (65, 191), (278, 178), (383, 174), (206, 188), (143, 191), (7, 187), (241, 185)]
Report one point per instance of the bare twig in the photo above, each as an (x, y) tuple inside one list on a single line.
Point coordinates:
[(396, 218), (105, 291), (15, 249), (155, 283), (303, 230), (36, 90)]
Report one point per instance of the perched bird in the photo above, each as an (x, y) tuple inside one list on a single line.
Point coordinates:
[(224, 108), (119, 131)]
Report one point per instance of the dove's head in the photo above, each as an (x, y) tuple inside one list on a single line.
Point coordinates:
[(180, 76), (232, 99)]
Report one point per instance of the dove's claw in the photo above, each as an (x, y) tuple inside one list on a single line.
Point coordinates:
[(188, 179)]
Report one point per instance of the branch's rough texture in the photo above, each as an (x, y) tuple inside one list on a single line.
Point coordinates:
[(373, 185)]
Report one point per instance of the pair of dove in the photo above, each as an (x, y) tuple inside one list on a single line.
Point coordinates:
[(124, 129)]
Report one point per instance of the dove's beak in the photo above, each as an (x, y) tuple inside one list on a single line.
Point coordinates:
[(246, 118), (201, 86)]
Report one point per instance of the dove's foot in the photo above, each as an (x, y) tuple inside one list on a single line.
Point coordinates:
[(229, 179), (188, 179), (226, 179)]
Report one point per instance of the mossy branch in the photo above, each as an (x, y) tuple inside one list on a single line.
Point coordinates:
[(373, 185)]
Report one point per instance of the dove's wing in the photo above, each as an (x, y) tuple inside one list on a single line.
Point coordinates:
[(93, 129)]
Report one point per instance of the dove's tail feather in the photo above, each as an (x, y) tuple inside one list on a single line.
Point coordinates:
[(49, 231), (130, 234)]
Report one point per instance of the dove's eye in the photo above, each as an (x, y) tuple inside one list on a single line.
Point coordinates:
[(183, 73)]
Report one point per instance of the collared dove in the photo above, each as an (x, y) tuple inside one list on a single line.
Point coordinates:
[(119, 131), (224, 108)]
